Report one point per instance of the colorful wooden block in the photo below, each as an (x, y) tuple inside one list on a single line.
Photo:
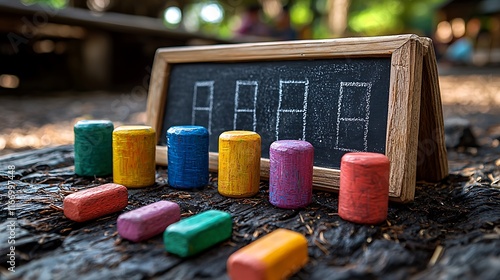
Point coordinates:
[(277, 255), (93, 151), (148, 221), (364, 187), (239, 163), (95, 202), (291, 173), (187, 156), (134, 149), (197, 233)]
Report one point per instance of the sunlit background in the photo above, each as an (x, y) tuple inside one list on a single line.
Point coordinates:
[(311, 19), (78, 46), (87, 44)]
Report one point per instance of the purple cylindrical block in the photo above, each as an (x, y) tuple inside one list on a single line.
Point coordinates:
[(148, 221), (291, 171)]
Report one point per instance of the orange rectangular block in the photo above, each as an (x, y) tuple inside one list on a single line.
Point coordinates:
[(95, 202), (277, 255)]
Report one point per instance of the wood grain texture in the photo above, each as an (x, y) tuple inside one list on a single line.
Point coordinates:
[(406, 85), (432, 163), (157, 94), (306, 49), (403, 119)]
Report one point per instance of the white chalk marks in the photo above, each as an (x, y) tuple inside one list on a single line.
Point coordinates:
[(245, 102), (353, 110), (353, 116), (203, 98), (288, 118)]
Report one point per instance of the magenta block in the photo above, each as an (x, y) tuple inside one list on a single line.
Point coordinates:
[(291, 170), (148, 221)]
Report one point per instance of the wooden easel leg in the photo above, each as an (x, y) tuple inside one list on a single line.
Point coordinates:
[(432, 162)]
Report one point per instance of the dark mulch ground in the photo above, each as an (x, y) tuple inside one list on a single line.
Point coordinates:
[(452, 230)]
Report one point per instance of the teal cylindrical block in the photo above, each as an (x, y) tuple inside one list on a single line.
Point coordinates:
[(93, 148)]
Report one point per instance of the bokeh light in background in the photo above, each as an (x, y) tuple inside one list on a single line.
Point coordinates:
[(212, 13), (44, 46), (473, 27), (458, 27), (447, 31), (207, 17), (445, 21), (9, 81), (98, 5), (308, 18), (173, 15), (444, 33)]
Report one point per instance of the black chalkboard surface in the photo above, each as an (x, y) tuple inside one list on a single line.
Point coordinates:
[(338, 105), (376, 94)]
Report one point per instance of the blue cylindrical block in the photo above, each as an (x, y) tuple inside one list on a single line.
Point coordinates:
[(187, 156)]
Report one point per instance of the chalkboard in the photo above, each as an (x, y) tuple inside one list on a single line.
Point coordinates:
[(338, 105), (376, 94)]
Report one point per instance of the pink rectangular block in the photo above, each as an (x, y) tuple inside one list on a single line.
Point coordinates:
[(148, 221)]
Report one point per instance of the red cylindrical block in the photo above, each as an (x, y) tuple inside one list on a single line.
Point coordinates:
[(364, 187), (291, 171)]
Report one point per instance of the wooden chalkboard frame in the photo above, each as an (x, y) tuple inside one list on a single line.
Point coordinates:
[(415, 119)]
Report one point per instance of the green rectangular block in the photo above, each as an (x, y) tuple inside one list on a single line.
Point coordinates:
[(197, 233)]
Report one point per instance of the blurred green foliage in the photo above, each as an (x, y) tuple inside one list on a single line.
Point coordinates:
[(301, 13), (310, 18), (58, 4), (379, 17), (382, 17), (365, 17)]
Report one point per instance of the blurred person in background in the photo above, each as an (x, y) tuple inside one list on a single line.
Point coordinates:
[(251, 23), (283, 28)]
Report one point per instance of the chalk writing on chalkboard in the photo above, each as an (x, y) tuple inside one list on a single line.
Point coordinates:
[(245, 101), (338, 105), (202, 104), (286, 106), (353, 121)]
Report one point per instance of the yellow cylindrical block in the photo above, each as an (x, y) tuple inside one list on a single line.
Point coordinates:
[(134, 149), (239, 163)]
